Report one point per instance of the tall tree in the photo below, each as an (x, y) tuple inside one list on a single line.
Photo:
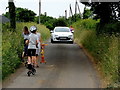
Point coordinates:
[(24, 15), (12, 14), (87, 13), (60, 22), (107, 12)]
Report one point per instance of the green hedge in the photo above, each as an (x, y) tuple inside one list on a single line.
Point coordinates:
[(104, 48), (111, 28), (12, 46), (86, 24)]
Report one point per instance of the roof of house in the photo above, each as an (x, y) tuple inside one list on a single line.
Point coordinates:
[(4, 19)]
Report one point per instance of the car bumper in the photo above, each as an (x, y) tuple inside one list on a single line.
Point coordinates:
[(63, 39)]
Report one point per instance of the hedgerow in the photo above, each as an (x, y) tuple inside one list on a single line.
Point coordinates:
[(104, 48)]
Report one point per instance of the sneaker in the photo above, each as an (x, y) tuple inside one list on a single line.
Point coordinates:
[(37, 66)]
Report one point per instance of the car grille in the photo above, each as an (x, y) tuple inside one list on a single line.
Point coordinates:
[(63, 38)]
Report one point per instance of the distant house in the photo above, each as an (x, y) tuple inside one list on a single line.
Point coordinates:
[(4, 19)]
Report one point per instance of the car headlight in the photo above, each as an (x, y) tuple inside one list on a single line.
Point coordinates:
[(70, 36), (56, 35)]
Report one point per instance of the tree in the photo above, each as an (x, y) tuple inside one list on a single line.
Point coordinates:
[(107, 12), (24, 15), (6, 14), (73, 19), (12, 14), (60, 22), (87, 13), (46, 20)]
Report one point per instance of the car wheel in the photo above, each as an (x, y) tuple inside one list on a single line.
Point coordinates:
[(71, 42), (52, 41)]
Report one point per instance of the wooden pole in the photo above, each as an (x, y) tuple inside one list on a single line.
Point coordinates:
[(79, 10), (12, 14), (75, 10), (39, 10), (65, 14), (76, 7), (71, 10)]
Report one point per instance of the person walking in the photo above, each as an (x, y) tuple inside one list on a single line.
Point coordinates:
[(25, 34), (38, 48), (71, 28), (32, 46)]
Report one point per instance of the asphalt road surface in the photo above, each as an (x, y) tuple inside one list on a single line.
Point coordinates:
[(67, 67)]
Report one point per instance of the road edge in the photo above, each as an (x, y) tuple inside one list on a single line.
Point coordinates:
[(95, 65), (12, 76)]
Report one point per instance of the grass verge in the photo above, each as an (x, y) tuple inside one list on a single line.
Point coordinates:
[(104, 48)]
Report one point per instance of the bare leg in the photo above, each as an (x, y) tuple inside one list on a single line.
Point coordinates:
[(34, 60), (29, 60), (37, 61)]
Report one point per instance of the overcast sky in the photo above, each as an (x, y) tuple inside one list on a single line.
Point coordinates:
[(54, 8)]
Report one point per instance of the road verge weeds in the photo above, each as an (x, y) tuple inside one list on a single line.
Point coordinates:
[(105, 50)]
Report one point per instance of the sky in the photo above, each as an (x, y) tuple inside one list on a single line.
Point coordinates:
[(54, 8)]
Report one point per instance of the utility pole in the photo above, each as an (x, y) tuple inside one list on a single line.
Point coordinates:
[(71, 10), (65, 14), (79, 10), (75, 10), (70, 15), (39, 10), (12, 14), (76, 7)]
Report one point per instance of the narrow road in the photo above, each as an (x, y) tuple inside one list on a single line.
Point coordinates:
[(67, 67)]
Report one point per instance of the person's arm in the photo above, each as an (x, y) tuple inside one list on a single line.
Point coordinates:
[(27, 42), (37, 41)]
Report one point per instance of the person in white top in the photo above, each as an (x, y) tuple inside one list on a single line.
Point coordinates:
[(32, 46), (25, 34), (38, 47)]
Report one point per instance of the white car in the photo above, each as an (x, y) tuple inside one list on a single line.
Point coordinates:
[(62, 34)]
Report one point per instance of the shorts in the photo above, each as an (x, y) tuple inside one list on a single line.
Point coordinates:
[(31, 52), (25, 50)]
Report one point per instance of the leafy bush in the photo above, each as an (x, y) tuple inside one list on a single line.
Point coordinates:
[(11, 51), (60, 22), (46, 20), (112, 28), (103, 47), (86, 24), (12, 46)]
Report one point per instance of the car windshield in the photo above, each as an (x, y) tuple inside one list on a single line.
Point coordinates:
[(62, 30)]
